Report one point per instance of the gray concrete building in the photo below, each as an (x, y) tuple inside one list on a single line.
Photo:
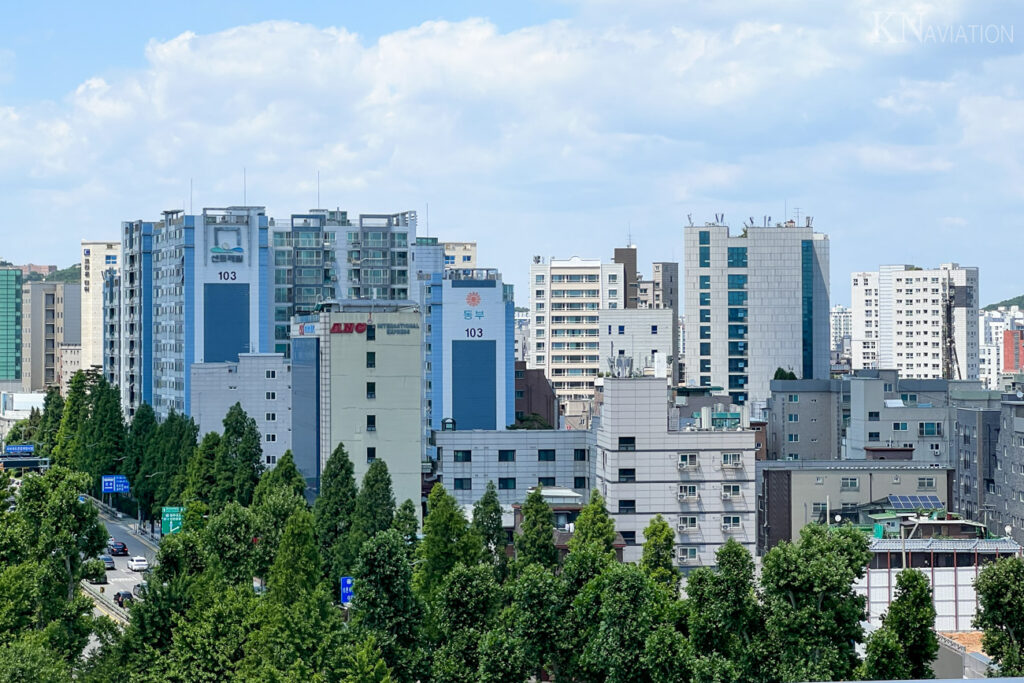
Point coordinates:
[(51, 316), (976, 443), (643, 339), (806, 419), (792, 494), (261, 383)]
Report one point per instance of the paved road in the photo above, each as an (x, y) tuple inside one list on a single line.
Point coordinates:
[(122, 578)]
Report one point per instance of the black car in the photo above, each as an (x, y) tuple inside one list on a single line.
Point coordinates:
[(117, 548), (123, 599)]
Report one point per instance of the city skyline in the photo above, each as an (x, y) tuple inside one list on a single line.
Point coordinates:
[(912, 115)]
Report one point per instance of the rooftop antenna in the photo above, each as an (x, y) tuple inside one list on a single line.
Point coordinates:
[(689, 217), (796, 210)]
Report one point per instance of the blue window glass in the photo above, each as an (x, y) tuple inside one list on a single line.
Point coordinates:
[(654, 329), (705, 282), (737, 348), (737, 331), (705, 237), (705, 348), (737, 257), (705, 365), (622, 329), (705, 380), (705, 298), (737, 365), (738, 397), (737, 315), (737, 298), (807, 276), (737, 281), (737, 381), (705, 315), (705, 332), (705, 257)]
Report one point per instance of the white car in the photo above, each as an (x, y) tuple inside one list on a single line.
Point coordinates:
[(138, 564)]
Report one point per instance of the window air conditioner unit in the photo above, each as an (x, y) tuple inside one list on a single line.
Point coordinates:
[(686, 497), (728, 528), (726, 495), (732, 465), (683, 557), (683, 465)]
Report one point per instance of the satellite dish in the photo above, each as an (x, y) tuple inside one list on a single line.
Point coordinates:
[(1020, 394)]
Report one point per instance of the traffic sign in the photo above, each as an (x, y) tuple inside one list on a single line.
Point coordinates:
[(346, 589), (115, 483), (170, 520), (20, 448)]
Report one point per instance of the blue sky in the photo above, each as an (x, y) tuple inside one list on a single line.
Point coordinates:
[(534, 128)]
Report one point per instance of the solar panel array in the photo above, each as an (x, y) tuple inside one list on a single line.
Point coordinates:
[(915, 503)]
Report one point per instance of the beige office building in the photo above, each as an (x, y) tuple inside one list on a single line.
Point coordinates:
[(97, 257)]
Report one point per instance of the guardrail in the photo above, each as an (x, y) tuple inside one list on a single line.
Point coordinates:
[(108, 604), (103, 507)]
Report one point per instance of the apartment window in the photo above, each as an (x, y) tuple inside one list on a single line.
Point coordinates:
[(627, 507), (704, 238), (520, 393), (899, 426), (506, 483), (271, 395), (629, 537), (546, 455), (687, 522), (579, 483), (622, 329), (887, 387), (793, 438), (627, 476), (506, 456), (704, 257), (371, 423), (730, 490), (909, 398), (687, 460), (849, 483), (793, 398), (545, 481), (737, 257), (705, 281), (705, 315), (371, 454), (371, 332), (687, 554), (464, 484), (371, 359), (613, 278), (463, 456), (705, 332), (737, 281), (271, 459), (627, 443), (271, 438), (271, 374), (371, 390), (271, 417), (873, 436), (579, 454), (538, 278), (688, 491), (929, 429), (792, 417), (520, 374), (926, 483), (731, 460), (705, 348), (654, 329), (705, 298), (818, 509), (873, 416), (731, 522)]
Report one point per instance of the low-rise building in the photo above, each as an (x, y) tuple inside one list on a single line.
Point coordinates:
[(534, 395), (261, 383), (637, 341), (16, 406)]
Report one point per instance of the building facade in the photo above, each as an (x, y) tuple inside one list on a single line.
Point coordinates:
[(261, 383), (975, 443), (69, 362), (305, 267), (992, 328), (700, 479), (51, 316), (566, 297), (636, 341), (534, 395), (840, 326), (459, 254), (806, 419), (10, 325), (112, 326), (357, 373), (470, 367), (133, 338), (97, 259), (377, 257), (922, 322), (755, 302)]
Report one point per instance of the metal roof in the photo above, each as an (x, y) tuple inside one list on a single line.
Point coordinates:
[(982, 545)]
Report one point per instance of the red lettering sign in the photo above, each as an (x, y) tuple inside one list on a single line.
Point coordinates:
[(348, 328)]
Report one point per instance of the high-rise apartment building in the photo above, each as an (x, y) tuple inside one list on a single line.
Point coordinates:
[(662, 290), (97, 259), (377, 257), (992, 328), (565, 299), (305, 267), (840, 326), (112, 326), (755, 302), (921, 322), (51, 316), (626, 257), (471, 361), (459, 254), (133, 335), (10, 325)]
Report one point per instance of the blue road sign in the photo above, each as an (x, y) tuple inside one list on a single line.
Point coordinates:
[(346, 589), (108, 483), (115, 483), (20, 448)]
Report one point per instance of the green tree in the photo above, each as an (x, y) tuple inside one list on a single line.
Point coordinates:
[(657, 558), (448, 540), (271, 516), (67, 444), (239, 458), (813, 617), (488, 526), (784, 374), (202, 477), (536, 543), (29, 658), (140, 436), (463, 611), (1000, 588), (885, 658), (230, 541), (209, 640), (667, 656), (407, 524), (374, 509), (383, 603), (594, 525), (531, 421), (911, 618), (534, 617), (284, 473), (332, 511), (364, 664), (296, 569), (53, 412), (103, 442), (502, 657)]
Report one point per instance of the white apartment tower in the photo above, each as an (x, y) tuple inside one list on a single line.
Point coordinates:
[(755, 302), (991, 326), (565, 299), (840, 326), (922, 322), (97, 257)]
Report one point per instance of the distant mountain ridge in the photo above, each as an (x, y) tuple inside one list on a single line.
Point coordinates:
[(1015, 301)]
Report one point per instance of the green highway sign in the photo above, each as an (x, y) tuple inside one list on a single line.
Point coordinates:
[(170, 521)]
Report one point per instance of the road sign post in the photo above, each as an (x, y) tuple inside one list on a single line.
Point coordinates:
[(19, 448), (170, 520), (346, 589)]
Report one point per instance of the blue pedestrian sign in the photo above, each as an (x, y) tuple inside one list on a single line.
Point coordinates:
[(346, 589), (115, 483), (20, 448)]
